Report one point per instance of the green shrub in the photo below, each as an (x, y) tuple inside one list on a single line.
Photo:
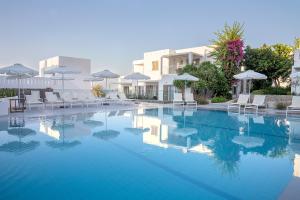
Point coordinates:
[(281, 106), (273, 91), (218, 100), (7, 92), (202, 100)]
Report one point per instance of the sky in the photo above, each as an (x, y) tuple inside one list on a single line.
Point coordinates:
[(113, 33)]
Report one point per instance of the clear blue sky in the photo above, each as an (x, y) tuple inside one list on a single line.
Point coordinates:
[(112, 33)]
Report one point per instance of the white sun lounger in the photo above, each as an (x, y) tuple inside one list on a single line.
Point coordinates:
[(89, 99), (242, 100), (177, 100), (70, 99), (33, 100), (189, 99), (258, 101), (295, 106), (125, 99), (52, 99)]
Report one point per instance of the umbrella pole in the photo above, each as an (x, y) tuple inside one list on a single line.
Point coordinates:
[(249, 90), (137, 85), (63, 89), (19, 90), (106, 83), (184, 90)]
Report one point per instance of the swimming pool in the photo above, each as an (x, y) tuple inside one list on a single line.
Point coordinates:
[(156, 153)]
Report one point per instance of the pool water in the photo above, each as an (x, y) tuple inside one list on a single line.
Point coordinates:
[(149, 154)]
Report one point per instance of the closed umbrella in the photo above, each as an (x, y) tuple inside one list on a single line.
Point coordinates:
[(250, 75), (62, 70), (136, 76), (186, 77), (18, 71), (106, 74)]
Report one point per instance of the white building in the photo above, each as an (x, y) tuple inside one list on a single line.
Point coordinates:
[(81, 64), (161, 66), (296, 68)]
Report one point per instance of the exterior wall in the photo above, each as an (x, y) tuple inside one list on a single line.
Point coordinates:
[(83, 65), (295, 88), (168, 63)]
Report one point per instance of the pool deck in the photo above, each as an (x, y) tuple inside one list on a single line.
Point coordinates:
[(37, 112)]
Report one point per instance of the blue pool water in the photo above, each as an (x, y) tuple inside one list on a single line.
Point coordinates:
[(149, 154)]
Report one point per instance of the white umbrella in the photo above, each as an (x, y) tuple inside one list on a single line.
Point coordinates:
[(136, 76), (186, 77), (18, 71), (105, 74), (93, 79), (63, 70), (250, 75)]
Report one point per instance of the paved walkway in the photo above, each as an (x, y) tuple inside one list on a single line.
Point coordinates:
[(36, 112)]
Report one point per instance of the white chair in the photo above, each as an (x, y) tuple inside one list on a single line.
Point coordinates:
[(87, 99), (295, 106), (125, 99), (189, 99), (52, 99), (258, 101), (242, 101), (33, 100), (177, 100), (69, 98), (113, 97)]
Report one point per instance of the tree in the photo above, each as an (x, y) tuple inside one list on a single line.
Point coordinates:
[(274, 61), (98, 91), (228, 49), (212, 81)]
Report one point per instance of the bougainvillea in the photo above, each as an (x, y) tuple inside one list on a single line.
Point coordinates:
[(235, 51), (228, 49)]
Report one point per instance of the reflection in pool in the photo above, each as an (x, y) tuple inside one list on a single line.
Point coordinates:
[(149, 154)]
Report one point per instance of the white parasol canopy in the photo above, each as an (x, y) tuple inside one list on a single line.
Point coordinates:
[(18, 71), (136, 76), (250, 75), (186, 77), (92, 79), (106, 74), (63, 70)]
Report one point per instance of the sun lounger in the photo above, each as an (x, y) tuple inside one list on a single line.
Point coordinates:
[(295, 106), (52, 99), (33, 100), (123, 98), (189, 99), (177, 100), (70, 99), (242, 101), (258, 101), (89, 99)]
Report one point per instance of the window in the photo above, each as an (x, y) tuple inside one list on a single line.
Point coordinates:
[(154, 130), (154, 65)]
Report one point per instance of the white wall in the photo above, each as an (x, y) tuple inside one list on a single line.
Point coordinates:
[(81, 64)]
